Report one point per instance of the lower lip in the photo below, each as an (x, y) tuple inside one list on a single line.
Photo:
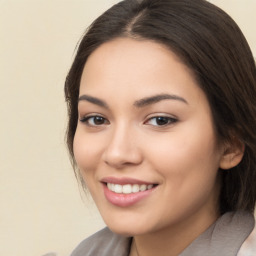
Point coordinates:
[(125, 200)]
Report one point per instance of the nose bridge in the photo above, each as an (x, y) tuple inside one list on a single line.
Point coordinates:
[(122, 148)]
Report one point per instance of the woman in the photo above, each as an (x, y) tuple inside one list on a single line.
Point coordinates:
[(162, 120)]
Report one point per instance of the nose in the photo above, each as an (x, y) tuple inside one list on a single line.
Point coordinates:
[(122, 149)]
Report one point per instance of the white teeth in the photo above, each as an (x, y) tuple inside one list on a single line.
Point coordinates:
[(143, 187), (149, 186), (118, 188), (128, 188), (135, 188)]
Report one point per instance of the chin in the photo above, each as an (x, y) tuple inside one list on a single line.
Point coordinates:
[(127, 229)]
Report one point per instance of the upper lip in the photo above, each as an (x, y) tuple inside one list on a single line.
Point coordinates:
[(124, 180)]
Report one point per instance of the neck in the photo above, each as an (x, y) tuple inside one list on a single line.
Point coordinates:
[(170, 241)]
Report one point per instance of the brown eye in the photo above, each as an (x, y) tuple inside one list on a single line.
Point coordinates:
[(98, 120), (161, 121), (94, 120)]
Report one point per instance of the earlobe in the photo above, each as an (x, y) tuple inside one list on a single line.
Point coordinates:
[(232, 155)]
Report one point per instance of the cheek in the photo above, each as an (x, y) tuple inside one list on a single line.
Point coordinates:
[(86, 151), (86, 156), (188, 167), (188, 154)]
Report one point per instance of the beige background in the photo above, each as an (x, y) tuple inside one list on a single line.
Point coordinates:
[(41, 209)]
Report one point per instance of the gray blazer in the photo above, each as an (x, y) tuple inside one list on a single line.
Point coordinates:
[(224, 238)]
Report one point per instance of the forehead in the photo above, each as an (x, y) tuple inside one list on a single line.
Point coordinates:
[(131, 51), (125, 65)]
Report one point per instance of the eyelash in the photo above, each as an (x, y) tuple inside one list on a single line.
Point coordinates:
[(86, 120), (166, 121)]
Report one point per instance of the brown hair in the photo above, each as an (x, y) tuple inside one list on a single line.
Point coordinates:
[(210, 43)]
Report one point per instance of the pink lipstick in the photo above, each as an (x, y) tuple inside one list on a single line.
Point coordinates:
[(125, 192)]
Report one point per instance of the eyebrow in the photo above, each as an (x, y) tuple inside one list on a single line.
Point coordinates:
[(156, 98), (138, 103), (93, 100)]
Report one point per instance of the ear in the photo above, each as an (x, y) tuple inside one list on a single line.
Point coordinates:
[(233, 154)]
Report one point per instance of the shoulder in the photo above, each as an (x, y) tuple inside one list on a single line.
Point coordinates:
[(249, 246), (103, 243)]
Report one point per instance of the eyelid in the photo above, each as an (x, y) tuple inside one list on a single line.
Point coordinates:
[(84, 119), (172, 119)]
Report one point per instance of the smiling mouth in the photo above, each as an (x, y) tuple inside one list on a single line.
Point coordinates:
[(126, 192), (129, 188)]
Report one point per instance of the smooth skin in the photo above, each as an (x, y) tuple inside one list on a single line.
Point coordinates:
[(126, 130)]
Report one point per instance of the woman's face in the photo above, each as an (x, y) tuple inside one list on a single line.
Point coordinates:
[(145, 141)]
